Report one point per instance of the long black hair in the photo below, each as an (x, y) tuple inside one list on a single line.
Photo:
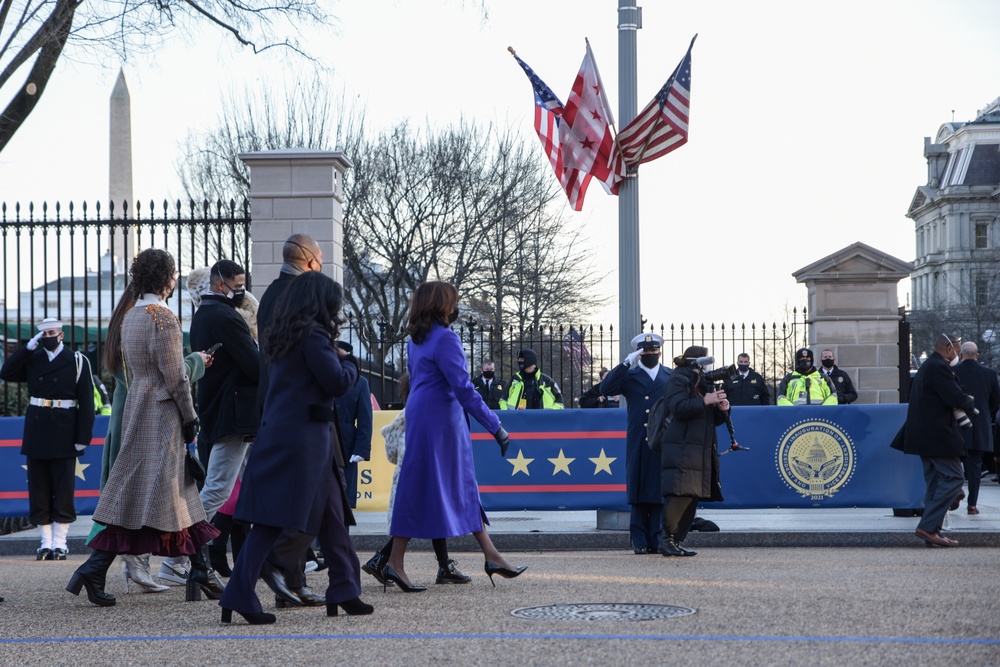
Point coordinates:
[(312, 299), (113, 343)]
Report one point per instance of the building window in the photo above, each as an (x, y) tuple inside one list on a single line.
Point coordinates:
[(982, 291), (981, 237), (82, 304)]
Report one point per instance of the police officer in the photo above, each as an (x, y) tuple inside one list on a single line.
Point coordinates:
[(805, 385), (58, 426), (487, 385), (641, 379), (841, 381), (748, 387), (530, 388)]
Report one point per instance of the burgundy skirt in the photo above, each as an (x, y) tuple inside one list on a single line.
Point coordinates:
[(148, 540)]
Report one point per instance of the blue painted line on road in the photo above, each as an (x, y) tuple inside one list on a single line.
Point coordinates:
[(600, 637)]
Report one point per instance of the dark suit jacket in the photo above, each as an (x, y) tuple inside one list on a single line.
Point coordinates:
[(984, 385), (52, 433), (930, 429), (495, 393), (642, 465), (235, 364)]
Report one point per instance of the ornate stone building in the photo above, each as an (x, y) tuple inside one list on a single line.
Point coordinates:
[(956, 277)]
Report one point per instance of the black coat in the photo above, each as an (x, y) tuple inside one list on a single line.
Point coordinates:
[(642, 466), (354, 415), (689, 458), (265, 318), (984, 386), (236, 365), (749, 391), (52, 433), (591, 399), (495, 393), (930, 428), (841, 381)]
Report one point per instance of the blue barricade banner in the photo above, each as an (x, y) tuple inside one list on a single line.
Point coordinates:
[(800, 456)]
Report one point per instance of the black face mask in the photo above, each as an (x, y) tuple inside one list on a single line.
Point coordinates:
[(804, 367), (649, 360), (521, 365), (453, 317), (743, 368), (828, 363), (488, 375), (50, 343)]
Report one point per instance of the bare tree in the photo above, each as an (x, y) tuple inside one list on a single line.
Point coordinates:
[(35, 34)]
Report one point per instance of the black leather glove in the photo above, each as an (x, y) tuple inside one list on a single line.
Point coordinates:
[(190, 431), (503, 439)]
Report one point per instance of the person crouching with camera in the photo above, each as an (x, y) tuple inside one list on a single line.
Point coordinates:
[(689, 454)]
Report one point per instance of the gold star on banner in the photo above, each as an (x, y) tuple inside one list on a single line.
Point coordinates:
[(80, 467), (520, 463), (561, 464), (603, 462)]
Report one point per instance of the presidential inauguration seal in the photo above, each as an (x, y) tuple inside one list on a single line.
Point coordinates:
[(815, 458)]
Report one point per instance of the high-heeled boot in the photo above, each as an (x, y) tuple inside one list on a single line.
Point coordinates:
[(92, 575), (137, 571), (218, 549), (203, 579)]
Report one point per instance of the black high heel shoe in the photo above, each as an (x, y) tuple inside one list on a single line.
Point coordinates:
[(202, 579), (390, 575), (92, 575), (251, 617), (493, 568), (353, 607), (95, 593)]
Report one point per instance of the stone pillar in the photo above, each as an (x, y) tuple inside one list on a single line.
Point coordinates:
[(296, 191), (854, 311)]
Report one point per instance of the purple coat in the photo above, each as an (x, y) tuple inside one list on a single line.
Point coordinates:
[(291, 470), (437, 494)]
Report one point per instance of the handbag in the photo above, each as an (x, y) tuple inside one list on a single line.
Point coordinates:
[(194, 465)]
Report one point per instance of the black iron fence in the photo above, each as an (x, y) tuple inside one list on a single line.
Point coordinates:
[(50, 271)]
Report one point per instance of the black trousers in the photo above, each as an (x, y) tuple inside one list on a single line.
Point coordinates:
[(678, 512), (51, 485)]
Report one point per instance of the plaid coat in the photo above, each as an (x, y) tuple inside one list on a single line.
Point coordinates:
[(149, 484)]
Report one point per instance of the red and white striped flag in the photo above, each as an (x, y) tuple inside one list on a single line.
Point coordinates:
[(663, 125), (548, 112), (587, 142)]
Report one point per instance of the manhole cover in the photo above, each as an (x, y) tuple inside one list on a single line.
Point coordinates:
[(602, 612)]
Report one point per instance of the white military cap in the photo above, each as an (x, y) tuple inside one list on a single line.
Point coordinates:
[(647, 341), (49, 323)]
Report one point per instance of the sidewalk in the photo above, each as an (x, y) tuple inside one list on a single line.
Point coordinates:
[(577, 530)]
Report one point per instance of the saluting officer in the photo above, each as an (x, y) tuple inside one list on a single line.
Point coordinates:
[(641, 379), (58, 426)]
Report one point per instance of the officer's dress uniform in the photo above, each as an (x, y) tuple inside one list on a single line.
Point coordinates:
[(59, 417)]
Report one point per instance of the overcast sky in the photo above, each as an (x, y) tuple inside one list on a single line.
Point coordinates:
[(807, 121)]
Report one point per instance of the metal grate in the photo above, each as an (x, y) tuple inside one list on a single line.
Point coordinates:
[(602, 612)]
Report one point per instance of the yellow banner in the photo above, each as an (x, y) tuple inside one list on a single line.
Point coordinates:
[(375, 475)]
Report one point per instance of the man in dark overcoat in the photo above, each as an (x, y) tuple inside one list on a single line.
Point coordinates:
[(984, 386), (931, 432), (641, 379), (284, 569), (354, 414), (488, 386), (58, 426)]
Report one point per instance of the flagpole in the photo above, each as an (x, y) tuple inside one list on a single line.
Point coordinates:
[(629, 316)]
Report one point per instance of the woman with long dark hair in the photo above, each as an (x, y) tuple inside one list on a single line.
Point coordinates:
[(293, 478), (437, 494), (150, 503)]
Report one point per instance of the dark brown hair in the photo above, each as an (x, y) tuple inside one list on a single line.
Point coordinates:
[(113, 343), (152, 270), (431, 304)]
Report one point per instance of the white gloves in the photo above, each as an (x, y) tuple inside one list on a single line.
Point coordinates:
[(80, 448), (355, 458), (33, 343), (632, 358)]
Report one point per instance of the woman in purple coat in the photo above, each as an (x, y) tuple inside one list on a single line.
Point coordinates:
[(437, 494), (293, 479)]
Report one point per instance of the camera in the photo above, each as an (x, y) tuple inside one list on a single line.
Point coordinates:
[(962, 418), (721, 374)]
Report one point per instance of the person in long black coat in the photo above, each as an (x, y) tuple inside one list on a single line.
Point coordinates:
[(931, 432), (641, 379), (983, 384), (689, 458), (354, 413), (293, 477), (58, 426)]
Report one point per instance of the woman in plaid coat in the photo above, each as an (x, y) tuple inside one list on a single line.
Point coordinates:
[(150, 503)]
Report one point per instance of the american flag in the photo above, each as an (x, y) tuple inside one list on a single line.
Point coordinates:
[(548, 112), (663, 125), (574, 346)]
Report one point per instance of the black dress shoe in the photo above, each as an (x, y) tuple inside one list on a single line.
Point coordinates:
[(305, 596), (58, 554), (275, 580), (641, 550), (451, 574), (671, 548), (44, 554)]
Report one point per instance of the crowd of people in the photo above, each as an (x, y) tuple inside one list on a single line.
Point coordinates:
[(282, 418)]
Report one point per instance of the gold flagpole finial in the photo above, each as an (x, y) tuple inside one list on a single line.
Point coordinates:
[(512, 51)]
